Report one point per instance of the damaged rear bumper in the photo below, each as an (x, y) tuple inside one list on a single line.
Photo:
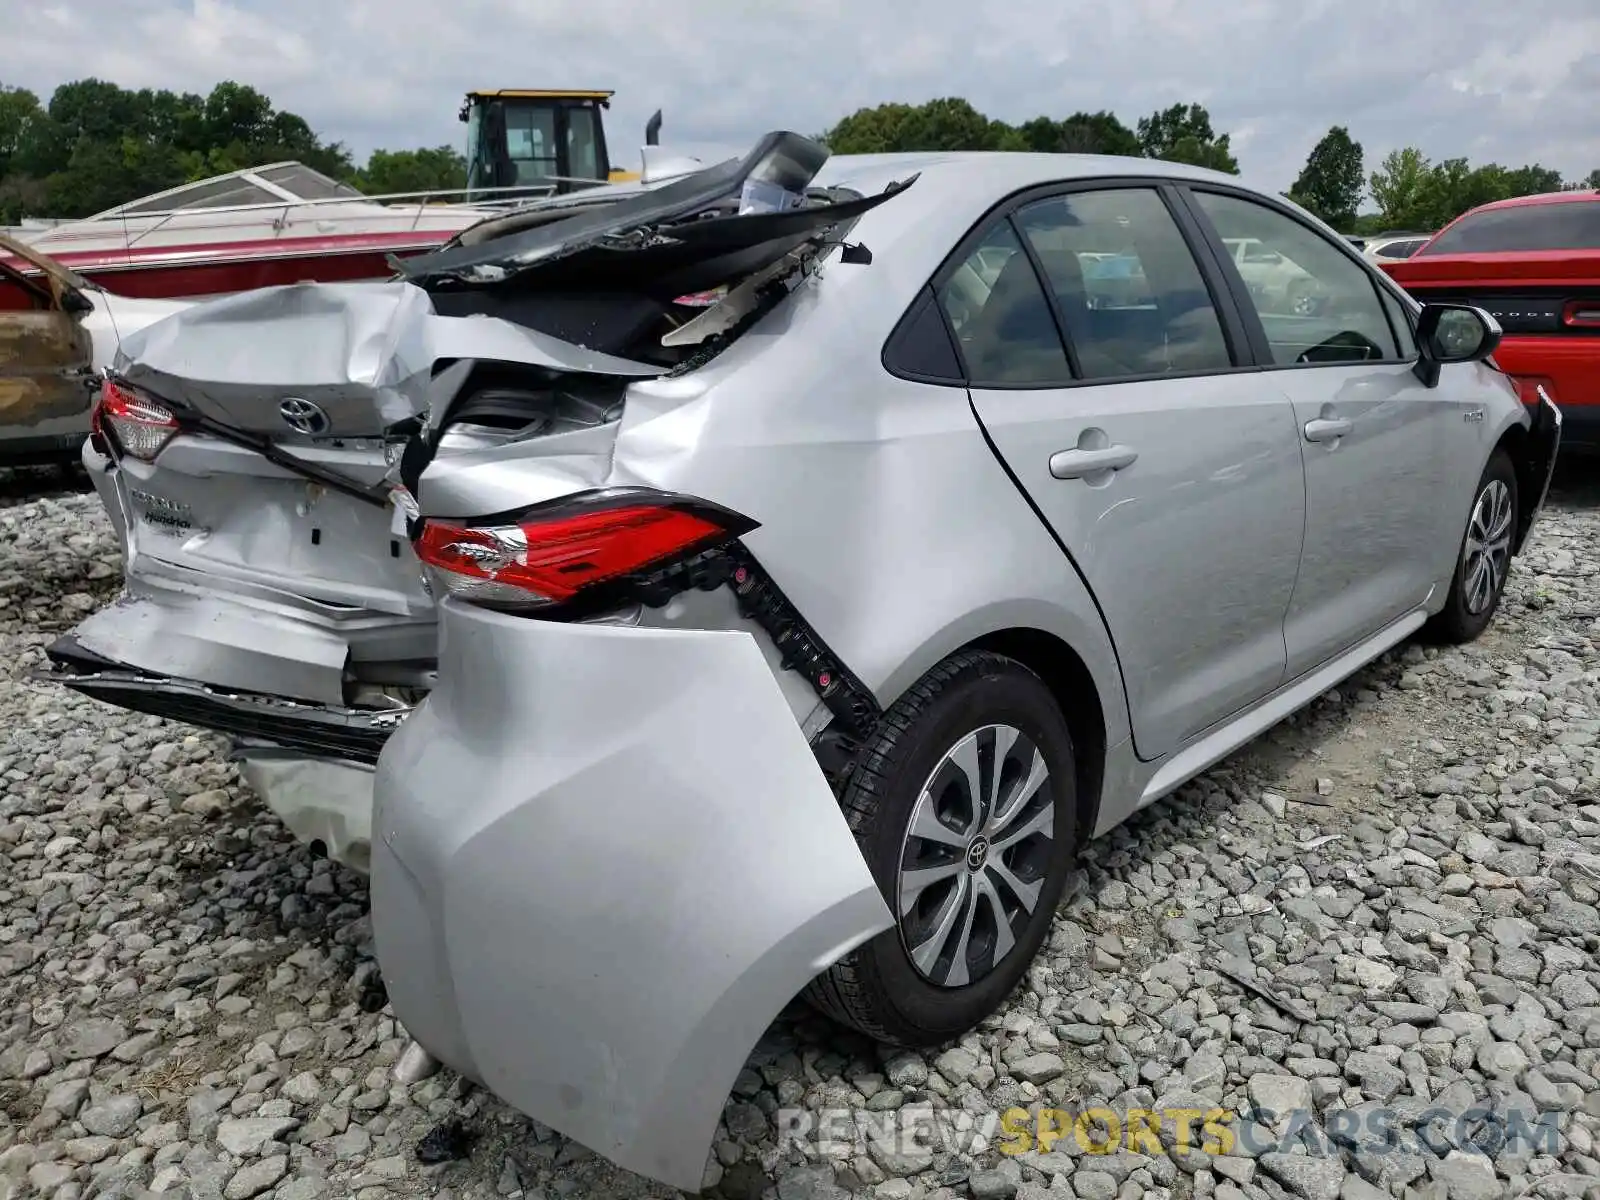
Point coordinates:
[(311, 764), (604, 860), (1542, 447)]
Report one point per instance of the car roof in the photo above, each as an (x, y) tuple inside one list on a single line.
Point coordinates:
[(1002, 172), (1587, 196)]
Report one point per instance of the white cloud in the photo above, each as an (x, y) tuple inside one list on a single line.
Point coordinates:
[(1512, 83)]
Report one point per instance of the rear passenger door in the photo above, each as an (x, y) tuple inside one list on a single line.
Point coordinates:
[(1107, 374), (1374, 438)]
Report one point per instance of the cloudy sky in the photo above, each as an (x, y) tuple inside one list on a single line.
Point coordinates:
[(1510, 82)]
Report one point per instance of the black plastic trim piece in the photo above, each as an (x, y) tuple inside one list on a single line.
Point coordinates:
[(801, 648), (354, 735)]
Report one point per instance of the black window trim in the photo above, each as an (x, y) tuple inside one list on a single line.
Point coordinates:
[(1241, 294), (1224, 301)]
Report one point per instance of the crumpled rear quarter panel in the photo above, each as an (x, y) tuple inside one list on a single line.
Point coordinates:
[(594, 894)]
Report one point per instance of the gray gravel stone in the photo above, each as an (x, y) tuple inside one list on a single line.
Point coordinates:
[(1314, 1177), (245, 1136), (114, 1116), (256, 1178), (165, 940)]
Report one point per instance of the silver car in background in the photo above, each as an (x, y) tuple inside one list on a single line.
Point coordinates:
[(765, 583)]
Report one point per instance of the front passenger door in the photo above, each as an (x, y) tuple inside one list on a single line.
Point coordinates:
[(1373, 437), (1171, 474)]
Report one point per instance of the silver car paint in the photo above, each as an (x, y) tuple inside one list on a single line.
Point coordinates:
[(496, 892), (880, 505)]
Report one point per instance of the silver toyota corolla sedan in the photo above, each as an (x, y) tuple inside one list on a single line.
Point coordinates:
[(763, 583)]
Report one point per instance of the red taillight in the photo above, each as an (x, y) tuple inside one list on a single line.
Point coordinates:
[(140, 425), (553, 553), (1581, 314)]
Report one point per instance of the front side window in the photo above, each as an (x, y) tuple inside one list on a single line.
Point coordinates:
[(1000, 317), (1316, 304), (1129, 291), (1563, 225)]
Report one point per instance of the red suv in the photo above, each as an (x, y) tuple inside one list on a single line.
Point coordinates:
[(1534, 263)]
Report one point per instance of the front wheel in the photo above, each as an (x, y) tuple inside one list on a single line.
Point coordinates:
[(964, 807), (1485, 557)]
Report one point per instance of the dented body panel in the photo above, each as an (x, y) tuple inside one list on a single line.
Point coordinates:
[(505, 813), (45, 353)]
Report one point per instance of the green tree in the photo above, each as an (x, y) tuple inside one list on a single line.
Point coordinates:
[(19, 108), (1331, 183), (1183, 134), (1402, 189), (97, 145), (949, 123), (440, 168), (1532, 180), (1081, 133)]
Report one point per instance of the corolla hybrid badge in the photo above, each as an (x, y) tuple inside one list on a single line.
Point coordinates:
[(303, 416)]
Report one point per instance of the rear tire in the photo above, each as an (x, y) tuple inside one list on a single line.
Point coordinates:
[(1484, 558), (977, 723)]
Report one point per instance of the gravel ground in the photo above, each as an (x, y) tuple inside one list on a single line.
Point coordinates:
[(188, 1000)]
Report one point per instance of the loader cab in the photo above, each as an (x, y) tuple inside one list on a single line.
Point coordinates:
[(542, 141)]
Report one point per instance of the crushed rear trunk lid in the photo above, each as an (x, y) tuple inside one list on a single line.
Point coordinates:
[(268, 557)]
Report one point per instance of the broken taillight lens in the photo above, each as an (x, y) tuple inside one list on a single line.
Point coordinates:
[(553, 553), (140, 425)]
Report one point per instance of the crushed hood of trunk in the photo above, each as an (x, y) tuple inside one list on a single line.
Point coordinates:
[(363, 353), (694, 232)]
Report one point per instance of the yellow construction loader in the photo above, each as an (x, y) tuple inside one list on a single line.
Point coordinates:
[(539, 139)]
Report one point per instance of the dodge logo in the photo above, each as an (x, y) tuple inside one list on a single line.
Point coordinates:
[(303, 416)]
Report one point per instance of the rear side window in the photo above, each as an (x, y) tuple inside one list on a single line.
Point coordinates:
[(1128, 288), (1571, 225), (1000, 317)]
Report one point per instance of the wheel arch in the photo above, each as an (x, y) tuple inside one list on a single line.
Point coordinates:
[(1072, 684)]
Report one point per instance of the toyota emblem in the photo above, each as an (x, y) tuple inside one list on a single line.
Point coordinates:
[(302, 416)]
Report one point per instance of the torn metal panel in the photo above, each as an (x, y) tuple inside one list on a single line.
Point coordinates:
[(785, 159)]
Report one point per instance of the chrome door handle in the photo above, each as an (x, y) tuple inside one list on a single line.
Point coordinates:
[(1075, 464), (1327, 429)]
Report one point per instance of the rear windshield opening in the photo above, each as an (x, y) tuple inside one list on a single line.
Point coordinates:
[(1571, 225)]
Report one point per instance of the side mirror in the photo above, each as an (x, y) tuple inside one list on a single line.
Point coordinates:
[(1453, 333)]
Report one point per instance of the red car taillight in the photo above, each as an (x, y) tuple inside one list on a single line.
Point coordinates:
[(555, 553), (140, 425), (1581, 314)]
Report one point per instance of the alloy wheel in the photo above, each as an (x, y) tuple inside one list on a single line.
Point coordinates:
[(1488, 547), (975, 855)]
